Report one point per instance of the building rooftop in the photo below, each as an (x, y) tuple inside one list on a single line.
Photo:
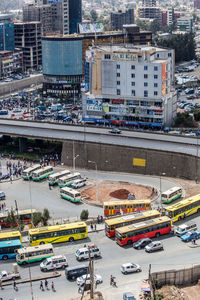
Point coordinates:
[(128, 48)]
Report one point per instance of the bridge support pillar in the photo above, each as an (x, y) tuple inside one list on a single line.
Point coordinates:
[(22, 143)]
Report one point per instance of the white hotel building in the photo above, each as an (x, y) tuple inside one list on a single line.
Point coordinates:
[(130, 85)]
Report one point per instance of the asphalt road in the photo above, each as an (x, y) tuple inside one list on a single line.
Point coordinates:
[(37, 194)]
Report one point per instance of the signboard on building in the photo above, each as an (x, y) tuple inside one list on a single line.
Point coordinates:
[(90, 27), (139, 162), (117, 101), (94, 105), (125, 56), (164, 77)]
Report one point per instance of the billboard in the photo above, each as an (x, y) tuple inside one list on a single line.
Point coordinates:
[(94, 105), (139, 162), (90, 27), (164, 78), (62, 57)]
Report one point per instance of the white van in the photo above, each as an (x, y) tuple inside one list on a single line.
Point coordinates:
[(184, 228), (54, 262), (78, 183), (83, 253)]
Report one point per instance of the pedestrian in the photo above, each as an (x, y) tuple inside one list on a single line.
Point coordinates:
[(14, 285), (1, 284), (53, 286), (41, 285), (91, 226), (95, 227), (49, 186), (46, 284)]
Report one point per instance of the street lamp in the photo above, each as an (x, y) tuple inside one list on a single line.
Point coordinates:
[(74, 158), (161, 174), (93, 162)]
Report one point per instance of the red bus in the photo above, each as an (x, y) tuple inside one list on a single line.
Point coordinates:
[(146, 229), (112, 224), (115, 207), (24, 217)]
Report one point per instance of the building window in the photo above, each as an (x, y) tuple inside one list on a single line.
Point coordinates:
[(118, 66), (145, 76), (158, 55), (155, 85), (155, 76), (145, 93), (133, 92), (118, 82), (132, 75), (145, 83), (155, 68), (155, 93), (118, 74), (169, 54), (118, 92), (107, 56), (133, 83), (133, 67), (145, 68)]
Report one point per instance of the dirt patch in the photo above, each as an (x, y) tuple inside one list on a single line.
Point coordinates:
[(175, 293), (108, 190), (120, 194)]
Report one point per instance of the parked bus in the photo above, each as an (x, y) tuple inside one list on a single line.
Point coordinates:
[(42, 173), (171, 194), (112, 224), (34, 254), (146, 229), (10, 235), (67, 180), (183, 208), (114, 207), (8, 249), (58, 233), (25, 217), (53, 178), (70, 194), (27, 173)]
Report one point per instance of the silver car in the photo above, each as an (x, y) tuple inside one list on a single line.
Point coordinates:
[(154, 246), (130, 268)]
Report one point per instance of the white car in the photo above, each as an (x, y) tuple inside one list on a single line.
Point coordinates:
[(130, 268), (81, 280)]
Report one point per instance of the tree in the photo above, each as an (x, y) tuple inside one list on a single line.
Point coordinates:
[(154, 26), (197, 115), (37, 218), (45, 217), (11, 219), (184, 120), (84, 215), (94, 15)]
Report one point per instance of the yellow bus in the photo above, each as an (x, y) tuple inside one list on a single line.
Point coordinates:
[(10, 235), (183, 208), (112, 224), (58, 233)]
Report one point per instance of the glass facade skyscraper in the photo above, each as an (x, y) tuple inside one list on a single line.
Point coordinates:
[(7, 36), (75, 15)]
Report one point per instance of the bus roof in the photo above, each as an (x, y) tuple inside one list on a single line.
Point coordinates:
[(57, 227), (10, 243), (43, 169), (69, 190), (20, 212), (132, 216), (31, 168), (9, 234), (64, 172), (183, 203), (70, 175), (121, 202), (34, 248), (142, 224), (173, 189)]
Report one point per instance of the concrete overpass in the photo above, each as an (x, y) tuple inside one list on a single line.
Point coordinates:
[(164, 153)]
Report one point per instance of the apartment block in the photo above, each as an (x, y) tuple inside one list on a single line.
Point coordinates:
[(131, 85), (118, 19), (10, 63)]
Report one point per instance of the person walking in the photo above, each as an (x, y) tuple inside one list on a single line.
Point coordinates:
[(41, 285), (53, 286), (1, 284), (46, 284), (14, 285)]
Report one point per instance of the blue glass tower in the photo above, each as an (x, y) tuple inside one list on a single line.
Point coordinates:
[(7, 36), (75, 15)]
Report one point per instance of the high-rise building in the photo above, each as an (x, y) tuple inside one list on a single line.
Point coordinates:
[(118, 19), (28, 39), (131, 85), (7, 37), (63, 57), (149, 3), (75, 15), (197, 4)]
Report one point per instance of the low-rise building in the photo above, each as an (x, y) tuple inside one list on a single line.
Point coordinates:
[(130, 85), (11, 63)]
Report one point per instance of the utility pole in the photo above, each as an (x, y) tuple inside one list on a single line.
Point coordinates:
[(16, 207), (91, 272)]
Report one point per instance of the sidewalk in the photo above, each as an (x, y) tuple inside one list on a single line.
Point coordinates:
[(196, 245)]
